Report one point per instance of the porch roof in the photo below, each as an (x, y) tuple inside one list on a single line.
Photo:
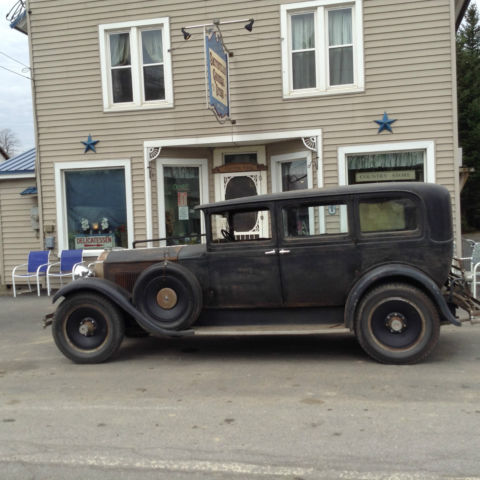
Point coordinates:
[(20, 164)]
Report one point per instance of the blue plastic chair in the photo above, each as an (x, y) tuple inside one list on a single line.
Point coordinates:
[(37, 266), (69, 259)]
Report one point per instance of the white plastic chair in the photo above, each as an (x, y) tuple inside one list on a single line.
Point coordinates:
[(37, 266)]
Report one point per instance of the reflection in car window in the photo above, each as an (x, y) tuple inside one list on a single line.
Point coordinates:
[(388, 215), (241, 225), (314, 220)]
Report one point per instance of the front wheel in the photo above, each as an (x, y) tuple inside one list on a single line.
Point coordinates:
[(397, 323), (88, 328)]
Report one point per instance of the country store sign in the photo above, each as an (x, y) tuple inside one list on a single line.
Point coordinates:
[(217, 75)]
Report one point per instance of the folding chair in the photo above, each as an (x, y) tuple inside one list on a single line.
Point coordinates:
[(69, 259), (37, 265)]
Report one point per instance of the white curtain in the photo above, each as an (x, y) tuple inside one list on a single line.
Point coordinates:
[(340, 57), (303, 62), (120, 49), (152, 47)]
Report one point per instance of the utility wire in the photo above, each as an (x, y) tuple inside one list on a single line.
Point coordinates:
[(11, 71), (11, 58)]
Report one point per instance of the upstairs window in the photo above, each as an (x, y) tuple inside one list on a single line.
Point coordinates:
[(322, 47), (136, 65)]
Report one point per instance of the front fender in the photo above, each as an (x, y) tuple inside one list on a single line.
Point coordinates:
[(396, 273), (117, 295)]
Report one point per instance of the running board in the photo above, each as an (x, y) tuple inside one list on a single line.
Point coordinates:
[(269, 329)]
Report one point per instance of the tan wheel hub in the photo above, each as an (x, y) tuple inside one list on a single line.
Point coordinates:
[(167, 298)]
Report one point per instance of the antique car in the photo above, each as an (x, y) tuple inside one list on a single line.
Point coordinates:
[(374, 259)]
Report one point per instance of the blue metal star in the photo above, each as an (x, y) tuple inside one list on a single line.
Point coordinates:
[(90, 144), (385, 123)]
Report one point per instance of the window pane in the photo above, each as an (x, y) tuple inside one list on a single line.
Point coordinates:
[(341, 66), (303, 31), (182, 194), (96, 208), (340, 27), (294, 175), (119, 49), (386, 167), (388, 215), (153, 78), (303, 64), (241, 226), (230, 158), (122, 85), (152, 47)]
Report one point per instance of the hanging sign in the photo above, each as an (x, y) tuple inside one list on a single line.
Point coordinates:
[(182, 198), (217, 75), (388, 176)]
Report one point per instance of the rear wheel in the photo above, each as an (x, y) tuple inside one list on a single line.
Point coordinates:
[(397, 323), (88, 328)]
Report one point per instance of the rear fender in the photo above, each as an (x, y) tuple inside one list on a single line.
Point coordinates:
[(116, 294), (397, 273)]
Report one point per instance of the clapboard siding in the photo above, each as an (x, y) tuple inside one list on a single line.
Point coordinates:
[(17, 237), (409, 72)]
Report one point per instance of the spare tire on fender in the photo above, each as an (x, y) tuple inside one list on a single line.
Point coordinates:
[(169, 296)]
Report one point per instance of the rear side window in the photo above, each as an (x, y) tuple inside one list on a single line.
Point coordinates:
[(388, 215)]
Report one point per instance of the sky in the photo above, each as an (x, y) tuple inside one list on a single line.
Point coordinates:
[(15, 90)]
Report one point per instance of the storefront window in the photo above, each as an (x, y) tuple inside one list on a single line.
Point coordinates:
[(96, 208), (182, 194), (386, 167)]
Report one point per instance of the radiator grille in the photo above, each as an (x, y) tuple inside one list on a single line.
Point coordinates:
[(126, 280)]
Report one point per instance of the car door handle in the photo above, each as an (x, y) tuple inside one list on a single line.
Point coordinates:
[(283, 251), (271, 252)]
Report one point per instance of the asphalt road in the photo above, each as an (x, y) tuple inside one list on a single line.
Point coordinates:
[(297, 408)]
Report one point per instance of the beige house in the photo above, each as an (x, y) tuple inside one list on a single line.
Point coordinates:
[(321, 93), (19, 227)]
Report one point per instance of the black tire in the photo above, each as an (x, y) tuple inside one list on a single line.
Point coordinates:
[(169, 296), (88, 328), (397, 323)]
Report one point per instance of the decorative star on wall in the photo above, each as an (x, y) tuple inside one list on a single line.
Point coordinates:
[(385, 123), (90, 144)]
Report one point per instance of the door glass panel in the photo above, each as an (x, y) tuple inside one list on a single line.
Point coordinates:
[(182, 194), (294, 175)]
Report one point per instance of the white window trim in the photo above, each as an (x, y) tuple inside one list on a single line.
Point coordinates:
[(277, 160), (321, 49), (60, 169), (202, 163), (428, 146), (134, 28)]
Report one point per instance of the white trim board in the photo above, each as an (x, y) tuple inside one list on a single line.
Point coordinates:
[(427, 145), (60, 168)]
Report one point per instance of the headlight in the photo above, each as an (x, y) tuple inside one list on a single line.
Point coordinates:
[(80, 271)]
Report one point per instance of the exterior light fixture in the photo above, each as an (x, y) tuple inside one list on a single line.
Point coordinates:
[(249, 25), (186, 35)]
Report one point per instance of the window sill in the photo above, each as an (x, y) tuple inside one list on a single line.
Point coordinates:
[(321, 93), (132, 108)]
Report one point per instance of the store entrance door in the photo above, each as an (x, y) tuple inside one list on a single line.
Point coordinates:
[(182, 185)]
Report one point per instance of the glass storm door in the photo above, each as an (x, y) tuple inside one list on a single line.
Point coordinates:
[(183, 189)]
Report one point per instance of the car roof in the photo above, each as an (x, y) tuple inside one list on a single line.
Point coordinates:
[(425, 190)]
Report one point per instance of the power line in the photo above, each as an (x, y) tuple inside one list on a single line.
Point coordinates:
[(11, 58), (16, 73)]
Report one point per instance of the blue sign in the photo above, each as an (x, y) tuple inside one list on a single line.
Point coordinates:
[(217, 75)]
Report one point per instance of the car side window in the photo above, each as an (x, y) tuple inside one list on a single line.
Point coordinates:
[(314, 220), (246, 225), (388, 215)]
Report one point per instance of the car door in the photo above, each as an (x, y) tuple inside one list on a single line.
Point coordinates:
[(317, 254), (243, 267)]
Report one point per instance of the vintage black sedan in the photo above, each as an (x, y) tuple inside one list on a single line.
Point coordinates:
[(374, 259)]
